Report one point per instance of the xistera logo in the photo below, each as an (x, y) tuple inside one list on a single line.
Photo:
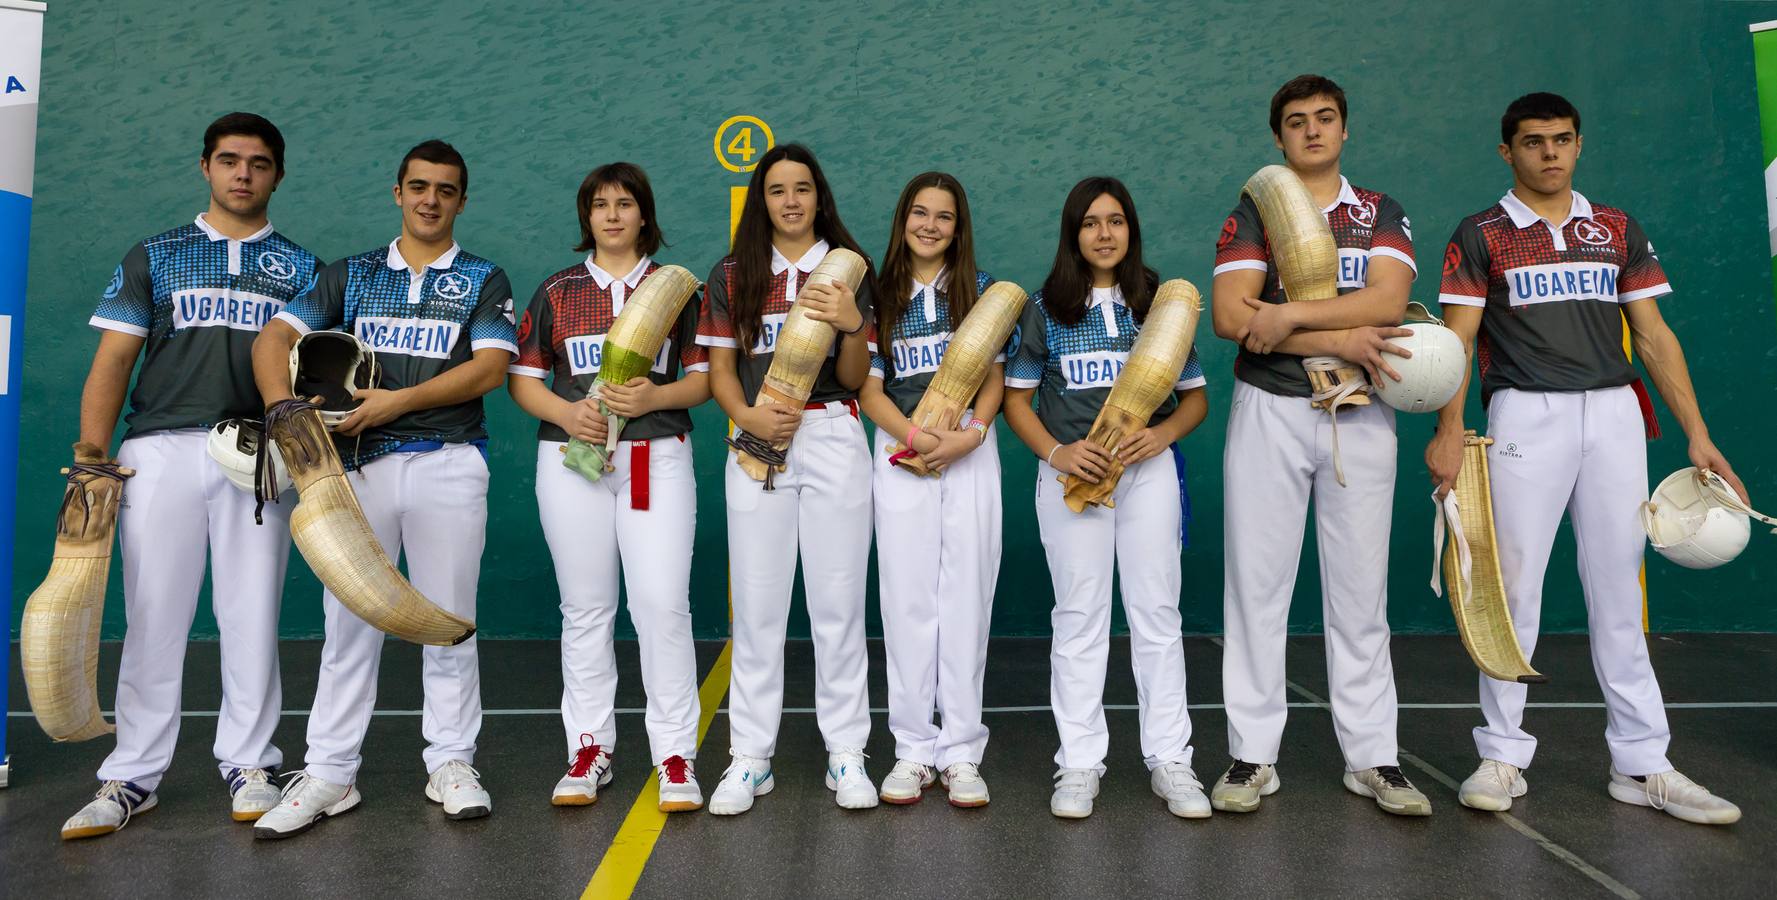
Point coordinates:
[(1511, 450)]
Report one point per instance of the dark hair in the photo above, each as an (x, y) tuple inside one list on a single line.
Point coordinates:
[(1070, 278), (752, 241), (631, 178), (1540, 105), (439, 153), (1303, 87), (897, 263), (249, 125)]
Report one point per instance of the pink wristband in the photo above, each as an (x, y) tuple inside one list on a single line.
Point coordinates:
[(911, 434)]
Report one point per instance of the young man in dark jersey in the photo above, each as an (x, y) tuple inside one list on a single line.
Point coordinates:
[(440, 322), (189, 303), (1281, 451), (1545, 280)]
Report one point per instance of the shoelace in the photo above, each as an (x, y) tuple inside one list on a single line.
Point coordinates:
[(963, 772), (761, 450), (743, 766), (458, 773), (1502, 773), (1393, 777), (913, 770), (1649, 785), (674, 767), (124, 797), (1243, 773), (584, 757), (240, 778), (851, 763)]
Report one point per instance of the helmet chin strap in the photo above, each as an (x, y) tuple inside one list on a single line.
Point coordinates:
[(1724, 494)]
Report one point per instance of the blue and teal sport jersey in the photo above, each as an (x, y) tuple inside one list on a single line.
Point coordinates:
[(198, 298), (420, 325), (920, 339), (1073, 366)]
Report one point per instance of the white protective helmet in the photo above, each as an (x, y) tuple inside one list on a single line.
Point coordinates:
[(1430, 377), (234, 445), (331, 365), (1696, 520)]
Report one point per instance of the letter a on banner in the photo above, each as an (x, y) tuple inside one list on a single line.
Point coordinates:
[(21, 60)]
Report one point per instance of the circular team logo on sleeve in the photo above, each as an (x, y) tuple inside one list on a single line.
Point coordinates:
[(1592, 232), (115, 285), (277, 265), (451, 286), (1228, 229), (1452, 259), (1362, 213), (524, 326)]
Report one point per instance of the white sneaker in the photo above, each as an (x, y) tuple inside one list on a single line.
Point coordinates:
[(457, 785), (253, 792), (590, 770), (907, 782), (1074, 792), (678, 786), (1675, 795), (305, 801), (1391, 790), (111, 809), (848, 781), (1493, 786), (967, 788), (1243, 785), (747, 777), (1175, 783)]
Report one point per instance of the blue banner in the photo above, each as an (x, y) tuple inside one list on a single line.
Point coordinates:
[(21, 57)]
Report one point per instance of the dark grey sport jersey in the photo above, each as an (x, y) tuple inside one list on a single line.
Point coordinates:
[(419, 325), (1073, 366), (1553, 295), (715, 329), (198, 299), (920, 339)]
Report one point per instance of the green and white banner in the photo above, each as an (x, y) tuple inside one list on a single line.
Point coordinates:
[(1764, 55)]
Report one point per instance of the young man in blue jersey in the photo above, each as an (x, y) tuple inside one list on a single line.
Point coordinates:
[(416, 450), (189, 303)]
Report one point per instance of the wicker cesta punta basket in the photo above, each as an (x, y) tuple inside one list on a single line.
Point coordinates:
[(59, 633), (1470, 566), (802, 347), (1145, 382), (630, 347), (973, 345)]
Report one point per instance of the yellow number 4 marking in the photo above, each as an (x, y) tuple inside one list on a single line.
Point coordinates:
[(742, 145)]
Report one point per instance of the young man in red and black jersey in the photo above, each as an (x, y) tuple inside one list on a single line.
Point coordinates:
[(1280, 452), (1545, 280)]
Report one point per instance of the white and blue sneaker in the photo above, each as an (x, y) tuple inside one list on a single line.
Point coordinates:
[(747, 777), (253, 791), (849, 782), (111, 809)]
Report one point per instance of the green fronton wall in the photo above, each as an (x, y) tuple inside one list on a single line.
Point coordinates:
[(1019, 100)]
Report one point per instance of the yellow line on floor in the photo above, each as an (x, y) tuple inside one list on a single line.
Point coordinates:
[(622, 866)]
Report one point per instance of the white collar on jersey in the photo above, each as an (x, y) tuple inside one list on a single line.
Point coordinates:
[(444, 261), (215, 235), (1347, 196), (929, 292), (1099, 295), (605, 278), (781, 263), (1524, 217)]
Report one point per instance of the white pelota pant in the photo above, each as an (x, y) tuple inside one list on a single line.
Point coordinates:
[(1583, 453), (433, 505), (178, 505), (1279, 453), (937, 558), (1140, 536), (821, 506), (591, 527)]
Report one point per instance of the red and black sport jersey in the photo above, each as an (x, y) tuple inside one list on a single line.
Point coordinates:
[(1552, 295), (562, 338), (716, 329), (1365, 224)]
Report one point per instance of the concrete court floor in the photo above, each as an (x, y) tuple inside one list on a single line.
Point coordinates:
[(1567, 838)]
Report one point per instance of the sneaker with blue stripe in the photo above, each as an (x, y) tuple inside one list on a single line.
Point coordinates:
[(747, 777), (111, 809), (254, 792), (849, 782)]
